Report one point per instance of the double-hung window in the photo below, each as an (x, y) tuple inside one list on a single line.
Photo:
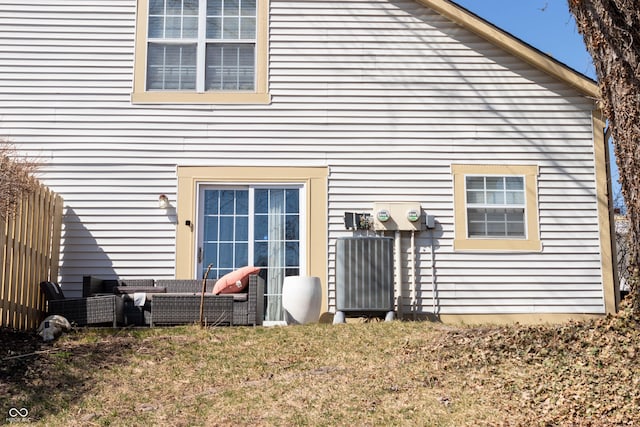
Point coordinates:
[(201, 51), (496, 207)]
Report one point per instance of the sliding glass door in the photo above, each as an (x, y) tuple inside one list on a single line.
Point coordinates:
[(261, 225)]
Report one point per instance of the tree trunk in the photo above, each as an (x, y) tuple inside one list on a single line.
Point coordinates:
[(611, 31)]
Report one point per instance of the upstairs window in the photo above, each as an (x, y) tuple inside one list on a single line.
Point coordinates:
[(201, 51), (172, 44)]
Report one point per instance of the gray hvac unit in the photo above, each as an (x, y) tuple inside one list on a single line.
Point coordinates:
[(364, 276)]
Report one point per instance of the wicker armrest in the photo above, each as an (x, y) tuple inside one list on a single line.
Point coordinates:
[(251, 310), (89, 311)]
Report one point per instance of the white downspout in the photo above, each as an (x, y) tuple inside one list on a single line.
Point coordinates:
[(398, 248), (414, 301), (433, 272)]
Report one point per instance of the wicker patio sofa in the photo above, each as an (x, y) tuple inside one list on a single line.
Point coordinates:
[(92, 310), (248, 307), (174, 301), (124, 289)]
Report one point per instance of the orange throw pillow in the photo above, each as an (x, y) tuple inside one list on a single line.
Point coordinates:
[(236, 281)]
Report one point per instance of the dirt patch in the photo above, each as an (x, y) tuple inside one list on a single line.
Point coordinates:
[(17, 352), (45, 377)]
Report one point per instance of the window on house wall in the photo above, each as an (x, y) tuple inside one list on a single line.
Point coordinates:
[(496, 207), (201, 51)]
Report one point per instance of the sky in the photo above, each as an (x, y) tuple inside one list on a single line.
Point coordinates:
[(546, 25)]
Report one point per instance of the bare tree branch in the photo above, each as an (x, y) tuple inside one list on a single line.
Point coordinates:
[(16, 179)]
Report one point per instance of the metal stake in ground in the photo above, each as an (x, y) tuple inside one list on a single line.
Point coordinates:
[(204, 289)]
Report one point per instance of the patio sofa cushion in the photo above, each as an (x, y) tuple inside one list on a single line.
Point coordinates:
[(52, 291), (236, 281), (118, 290), (183, 285), (92, 285)]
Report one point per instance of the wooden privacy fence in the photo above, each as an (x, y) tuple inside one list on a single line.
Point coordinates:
[(29, 254)]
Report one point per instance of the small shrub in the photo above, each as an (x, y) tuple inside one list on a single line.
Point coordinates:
[(16, 179)]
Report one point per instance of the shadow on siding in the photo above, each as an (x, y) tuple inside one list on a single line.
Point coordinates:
[(82, 255)]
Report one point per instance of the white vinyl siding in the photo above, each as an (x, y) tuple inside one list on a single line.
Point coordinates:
[(386, 94)]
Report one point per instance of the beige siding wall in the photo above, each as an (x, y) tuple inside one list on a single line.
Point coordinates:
[(386, 93)]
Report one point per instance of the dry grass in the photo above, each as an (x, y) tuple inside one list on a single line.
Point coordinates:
[(361, 374)]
